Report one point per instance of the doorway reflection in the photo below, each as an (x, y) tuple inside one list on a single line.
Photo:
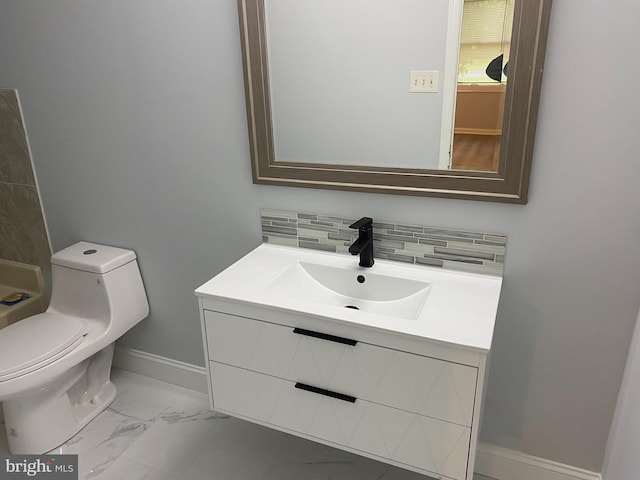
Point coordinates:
[(482, 75)]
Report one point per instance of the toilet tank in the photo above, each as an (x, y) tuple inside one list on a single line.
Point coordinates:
[(99, 282), (91, 257)]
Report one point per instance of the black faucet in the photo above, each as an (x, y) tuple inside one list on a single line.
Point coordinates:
[(363, 246)]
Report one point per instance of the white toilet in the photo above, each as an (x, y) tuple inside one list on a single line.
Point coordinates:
[(55, 366)]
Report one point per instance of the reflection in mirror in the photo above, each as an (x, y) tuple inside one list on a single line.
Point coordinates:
[(340, 84), (274, 157), (485, 42)]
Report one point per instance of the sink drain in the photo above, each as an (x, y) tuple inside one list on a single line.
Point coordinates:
[(353, 307)]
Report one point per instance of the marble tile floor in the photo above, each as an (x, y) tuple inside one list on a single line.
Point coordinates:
[(158, 431)]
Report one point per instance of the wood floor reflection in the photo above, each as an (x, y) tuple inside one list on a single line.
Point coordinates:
[(475, 152)]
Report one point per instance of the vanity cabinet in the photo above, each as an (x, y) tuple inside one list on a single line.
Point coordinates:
[(412, 404), (334, 356)]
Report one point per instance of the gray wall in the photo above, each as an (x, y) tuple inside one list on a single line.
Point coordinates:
[(340, 76), (137, 125)]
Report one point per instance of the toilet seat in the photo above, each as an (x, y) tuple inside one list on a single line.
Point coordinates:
[(36, 341)]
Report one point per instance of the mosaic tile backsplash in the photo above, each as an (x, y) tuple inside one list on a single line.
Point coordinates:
[(437, 247)]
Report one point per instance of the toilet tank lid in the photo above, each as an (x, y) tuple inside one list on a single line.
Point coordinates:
[(92, 257)]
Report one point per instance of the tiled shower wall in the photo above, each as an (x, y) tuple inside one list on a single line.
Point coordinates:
[(422, 245), (23, 235)]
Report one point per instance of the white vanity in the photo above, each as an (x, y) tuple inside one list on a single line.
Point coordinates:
[(388, 362)]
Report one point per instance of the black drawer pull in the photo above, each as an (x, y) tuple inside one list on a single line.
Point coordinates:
[(325, 336), (327, 393)]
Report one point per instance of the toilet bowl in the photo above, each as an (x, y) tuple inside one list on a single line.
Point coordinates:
[(55, 366)]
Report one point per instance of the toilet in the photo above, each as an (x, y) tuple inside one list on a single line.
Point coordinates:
[(55, 366)]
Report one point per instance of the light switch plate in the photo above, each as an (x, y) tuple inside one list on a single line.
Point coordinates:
[(423, 81)]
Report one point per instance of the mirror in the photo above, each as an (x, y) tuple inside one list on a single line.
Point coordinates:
[(340, 84), (370, 158)]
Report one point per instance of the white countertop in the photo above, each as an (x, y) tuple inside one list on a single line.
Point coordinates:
[(460, 310)]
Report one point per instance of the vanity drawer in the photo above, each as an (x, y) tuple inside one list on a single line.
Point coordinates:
[(421, 442), (424, 385)]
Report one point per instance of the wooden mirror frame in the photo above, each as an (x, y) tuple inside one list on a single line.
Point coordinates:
[(509, 184)]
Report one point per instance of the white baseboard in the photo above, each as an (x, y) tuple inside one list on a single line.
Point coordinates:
[(504, 464), (491, 461), (161, 368)]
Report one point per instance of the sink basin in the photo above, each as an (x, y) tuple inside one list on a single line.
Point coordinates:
[(414, 301), (342, 287)]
